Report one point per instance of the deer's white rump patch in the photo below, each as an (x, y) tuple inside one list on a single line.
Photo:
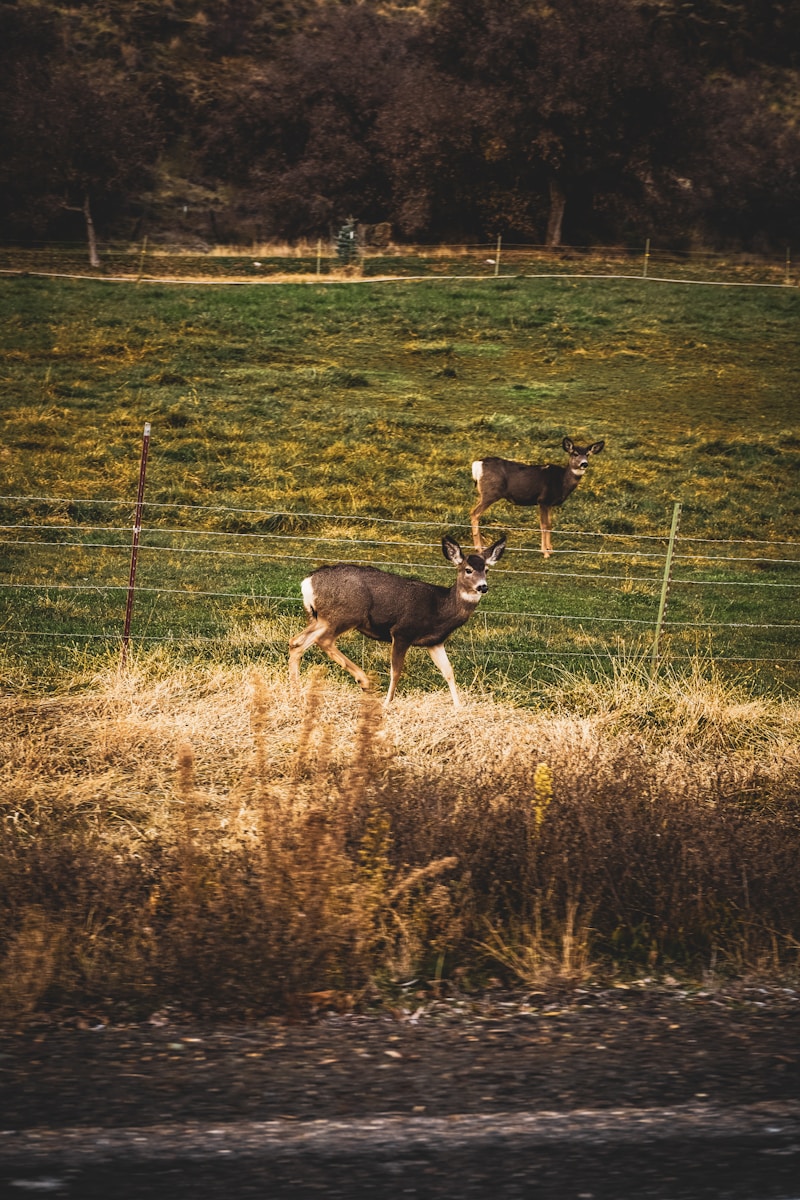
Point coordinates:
[(307, 590)]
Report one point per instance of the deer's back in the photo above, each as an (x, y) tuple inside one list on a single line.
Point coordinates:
[(379, 604), (522, 483)]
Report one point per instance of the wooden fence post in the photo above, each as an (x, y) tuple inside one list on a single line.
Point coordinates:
[(137, 529), (497, 258), (141, 260), (646, 258)]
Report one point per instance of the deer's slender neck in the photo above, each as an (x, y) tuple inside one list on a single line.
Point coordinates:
[(570, 481), (465, 600), (460, 603)]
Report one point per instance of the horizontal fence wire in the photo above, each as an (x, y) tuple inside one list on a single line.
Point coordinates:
[(354, 281), (319, 537), (287, 514), (325, 560), (304, 558), (484, 612), (260, 265), (376, 520), (111, 640), (68, 537), (329, 561)]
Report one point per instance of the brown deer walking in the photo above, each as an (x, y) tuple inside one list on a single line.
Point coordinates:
[(391, 608), (548, 486)]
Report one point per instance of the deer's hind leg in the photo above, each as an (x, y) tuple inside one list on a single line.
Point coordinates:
[(298, 646), (319, 633), (327, 642), (474, 520)]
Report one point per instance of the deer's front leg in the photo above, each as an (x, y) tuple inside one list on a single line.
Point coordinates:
[(546, 524), (398, 657), (439, 656)]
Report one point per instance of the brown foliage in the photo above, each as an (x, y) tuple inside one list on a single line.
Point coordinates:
[(290, 852)]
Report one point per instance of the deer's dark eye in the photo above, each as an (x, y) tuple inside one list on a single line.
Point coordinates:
[(469, 571)]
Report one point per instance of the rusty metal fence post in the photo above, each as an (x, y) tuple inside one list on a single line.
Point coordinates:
[(137, 529)]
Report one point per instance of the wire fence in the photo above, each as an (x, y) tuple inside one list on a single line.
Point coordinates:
[(210, 589), (227, 577), (309, 261)]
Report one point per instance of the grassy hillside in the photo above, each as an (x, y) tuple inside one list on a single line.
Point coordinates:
[(364, 406)]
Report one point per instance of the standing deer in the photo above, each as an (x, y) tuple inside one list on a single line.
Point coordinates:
[(547, 486), (391, 608)]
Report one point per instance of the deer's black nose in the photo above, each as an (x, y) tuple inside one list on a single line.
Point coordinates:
[(483, 587)]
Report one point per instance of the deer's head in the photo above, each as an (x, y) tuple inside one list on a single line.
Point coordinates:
[(579, 455), (472, 567)]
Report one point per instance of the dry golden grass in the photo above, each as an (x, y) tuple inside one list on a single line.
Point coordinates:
[(203, 837), (127, 729), (307, 248)]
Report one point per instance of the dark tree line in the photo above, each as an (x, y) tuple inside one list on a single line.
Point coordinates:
[(574, 120)]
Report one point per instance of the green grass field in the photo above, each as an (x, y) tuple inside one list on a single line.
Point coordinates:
[(294, 424), (188, 832)]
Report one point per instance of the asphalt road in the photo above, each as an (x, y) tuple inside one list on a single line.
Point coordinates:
[(659, 1154), (664, 1095)]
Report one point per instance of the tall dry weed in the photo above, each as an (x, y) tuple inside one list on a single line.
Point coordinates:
[(369, 751), (30, 963), (536, 954)]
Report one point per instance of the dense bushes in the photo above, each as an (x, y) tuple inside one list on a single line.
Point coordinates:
[(587, 121)]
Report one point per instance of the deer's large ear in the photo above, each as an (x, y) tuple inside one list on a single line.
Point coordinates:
[(495, 551), (452, 551), (568, 445), (596, 448)]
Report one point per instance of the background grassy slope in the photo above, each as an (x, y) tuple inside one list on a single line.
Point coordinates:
[(368, 403)]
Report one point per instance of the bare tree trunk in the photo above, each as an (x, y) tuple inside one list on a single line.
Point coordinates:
[(558, 202), (91, 236)]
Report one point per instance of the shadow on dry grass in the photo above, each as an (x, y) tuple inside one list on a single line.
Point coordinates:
[(202, 839)]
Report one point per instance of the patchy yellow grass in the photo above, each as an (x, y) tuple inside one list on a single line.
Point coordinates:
[(115, 747)]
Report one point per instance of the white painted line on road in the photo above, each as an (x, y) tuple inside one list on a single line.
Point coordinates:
[(765, 1122)]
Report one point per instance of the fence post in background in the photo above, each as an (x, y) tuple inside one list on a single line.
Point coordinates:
[(646, 258), (141, 259), (497, 257), (788, 276), (662, 607), (319, 256), (137, 529)]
